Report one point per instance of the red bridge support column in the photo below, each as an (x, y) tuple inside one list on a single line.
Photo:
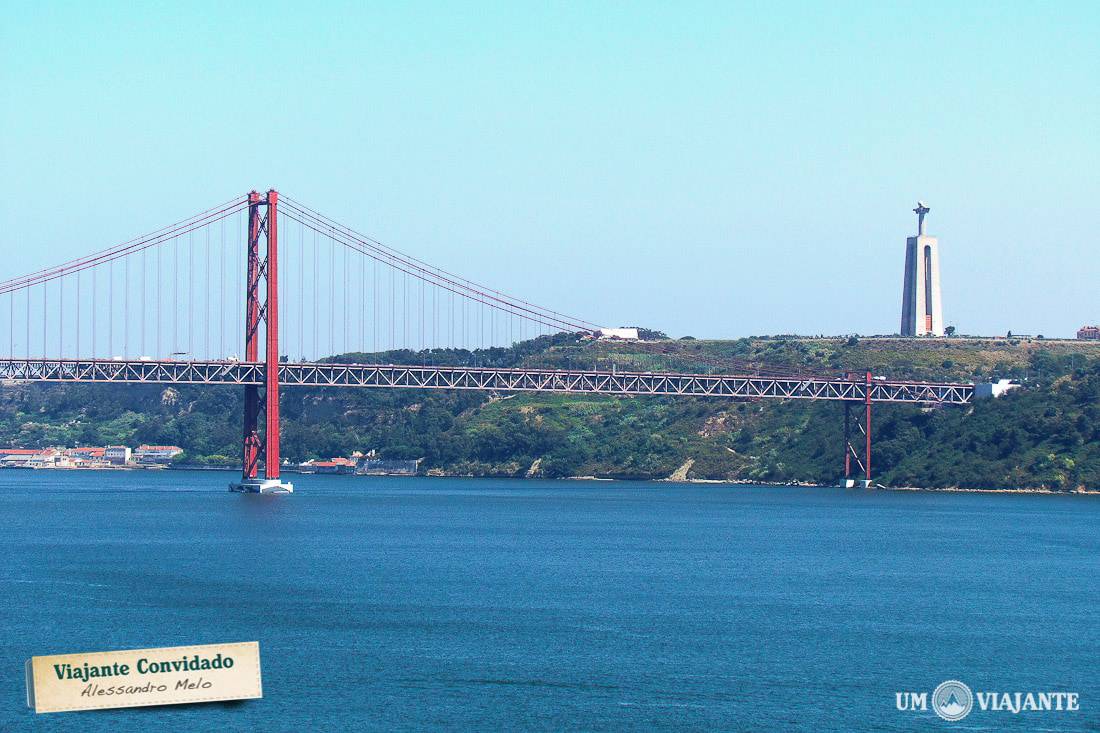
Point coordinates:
[(271, 369), (267, 313), (251, 454)]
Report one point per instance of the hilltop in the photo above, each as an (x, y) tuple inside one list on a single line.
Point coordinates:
[(1045, 435)]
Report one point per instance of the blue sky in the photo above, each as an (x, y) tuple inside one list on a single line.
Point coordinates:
[(716, 169)]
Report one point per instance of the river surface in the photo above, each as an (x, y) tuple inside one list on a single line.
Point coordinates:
[(469, 604)]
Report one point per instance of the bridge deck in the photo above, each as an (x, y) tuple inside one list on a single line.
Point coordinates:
[(484, 378)]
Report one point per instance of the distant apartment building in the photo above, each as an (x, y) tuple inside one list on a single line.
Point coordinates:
[(1088, 333), (153, 454), (117, 455)]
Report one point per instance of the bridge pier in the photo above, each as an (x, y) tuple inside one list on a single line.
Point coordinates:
[(851, 454)]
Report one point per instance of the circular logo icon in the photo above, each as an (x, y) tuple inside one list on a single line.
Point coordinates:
[(952, 700)]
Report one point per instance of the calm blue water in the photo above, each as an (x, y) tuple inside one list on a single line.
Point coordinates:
[(474, 604)]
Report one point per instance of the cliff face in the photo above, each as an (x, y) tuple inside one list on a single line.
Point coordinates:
[(1046, 435)]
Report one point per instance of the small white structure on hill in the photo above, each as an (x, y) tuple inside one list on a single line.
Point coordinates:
[(989, 390), (625, 334)]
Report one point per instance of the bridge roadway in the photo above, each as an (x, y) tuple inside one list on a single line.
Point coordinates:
[(291, 374)]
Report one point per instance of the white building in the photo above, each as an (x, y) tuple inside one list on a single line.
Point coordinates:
[(29, 457), (156, 453), (921, 309), (117, 454)]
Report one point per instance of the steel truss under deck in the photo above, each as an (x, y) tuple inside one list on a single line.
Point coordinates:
[(485, 378)]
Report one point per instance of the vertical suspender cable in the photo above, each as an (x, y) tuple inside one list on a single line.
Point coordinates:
[(207, 300), (190, 293), (316, 351), (374, 308), (301, 291), (362, 304), (95, 308), (110, 308), (221, 294), (144, 277), (332, 299), (126, 308), (346, 297), (175, 293)]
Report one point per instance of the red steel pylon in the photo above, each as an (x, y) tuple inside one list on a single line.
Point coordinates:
[(267, 313)]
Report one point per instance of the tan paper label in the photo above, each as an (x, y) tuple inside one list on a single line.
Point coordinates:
[(137, 677)]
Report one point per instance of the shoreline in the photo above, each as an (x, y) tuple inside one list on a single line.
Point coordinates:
[(667, 480), (880, 487), (958, 490)]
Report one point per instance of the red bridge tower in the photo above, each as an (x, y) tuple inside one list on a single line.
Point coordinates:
[(263, 220)]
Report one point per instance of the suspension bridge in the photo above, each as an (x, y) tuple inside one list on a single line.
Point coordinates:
[(166, 308)]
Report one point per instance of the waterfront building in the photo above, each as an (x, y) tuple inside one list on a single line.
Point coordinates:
[(28, 457), (921, 309), (117, 455), (334, 465), (87, 453), (85, 457), (156, 453), (34, 458)]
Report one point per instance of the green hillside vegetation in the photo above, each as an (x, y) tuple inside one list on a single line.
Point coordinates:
[(1046, 435)]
